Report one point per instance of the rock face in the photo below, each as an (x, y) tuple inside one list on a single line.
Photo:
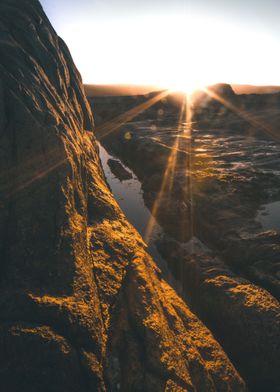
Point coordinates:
[(82, 306), (244, 317), (219, 105)]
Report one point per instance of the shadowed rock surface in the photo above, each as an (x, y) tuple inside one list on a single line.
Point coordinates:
[(83, 307), (118, 170)]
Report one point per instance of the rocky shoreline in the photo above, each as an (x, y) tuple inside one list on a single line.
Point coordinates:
[(218, 177), (220, 180)]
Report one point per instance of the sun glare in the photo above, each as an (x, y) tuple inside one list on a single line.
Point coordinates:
[(185, 87), (178, 52)]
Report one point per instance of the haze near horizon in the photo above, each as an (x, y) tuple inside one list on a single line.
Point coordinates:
[(183, 45)]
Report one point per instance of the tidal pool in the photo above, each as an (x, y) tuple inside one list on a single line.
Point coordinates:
[(128, 194), (269, 216)]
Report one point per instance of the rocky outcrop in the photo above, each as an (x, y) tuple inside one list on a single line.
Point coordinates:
[(83, 307), (119, 170), (244, 317), (218, 105)]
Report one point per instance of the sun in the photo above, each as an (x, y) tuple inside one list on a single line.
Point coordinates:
[(184, 78), (183, 86), (186, 87)]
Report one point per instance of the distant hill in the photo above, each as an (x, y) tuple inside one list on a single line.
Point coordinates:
[(248, 89), (94, 90)]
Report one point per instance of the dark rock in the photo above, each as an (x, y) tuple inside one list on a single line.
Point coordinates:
[(118, 170), (245, 317), (222, 89), (3, 119)]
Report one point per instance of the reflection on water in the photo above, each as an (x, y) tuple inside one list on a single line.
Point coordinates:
[(269, 216), (128, 194)]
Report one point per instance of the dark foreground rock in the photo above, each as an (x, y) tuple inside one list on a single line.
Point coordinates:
[(244, 317), (82, 305)]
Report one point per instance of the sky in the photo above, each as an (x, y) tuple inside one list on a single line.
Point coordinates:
[(176, 44)]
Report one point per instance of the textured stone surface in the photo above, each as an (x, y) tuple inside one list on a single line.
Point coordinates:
[(244, 317), (82, 305)]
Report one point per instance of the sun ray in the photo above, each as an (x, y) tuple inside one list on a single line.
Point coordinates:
[(190, 217), (179, 131), (167, 180), (157, 203), (247, 116), (112, 125)]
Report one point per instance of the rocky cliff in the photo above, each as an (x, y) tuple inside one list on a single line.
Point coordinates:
[(82, 306)]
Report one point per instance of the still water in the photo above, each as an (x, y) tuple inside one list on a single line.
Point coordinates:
[(269, 216), (128, 194)]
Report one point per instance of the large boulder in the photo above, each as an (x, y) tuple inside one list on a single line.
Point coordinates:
[(245, 317)]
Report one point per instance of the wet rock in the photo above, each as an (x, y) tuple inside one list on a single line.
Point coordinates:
[(245, 317), (82, 306), (118, 170), (232, 175)]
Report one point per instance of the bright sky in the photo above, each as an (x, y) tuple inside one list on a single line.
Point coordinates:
[(177, 44)]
